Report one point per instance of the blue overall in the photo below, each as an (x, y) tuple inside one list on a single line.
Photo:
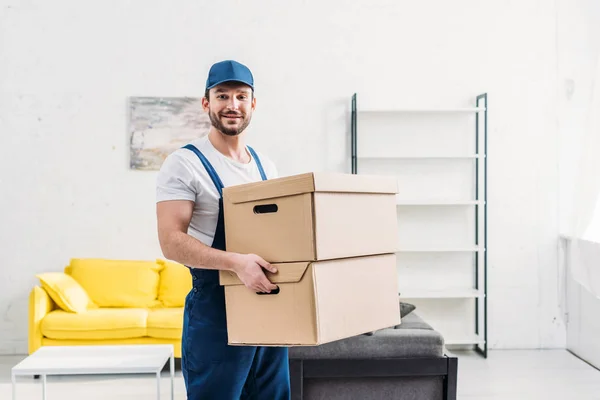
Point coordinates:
[(211, 368)]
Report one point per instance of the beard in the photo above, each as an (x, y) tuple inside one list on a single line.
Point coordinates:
[(229, 130)]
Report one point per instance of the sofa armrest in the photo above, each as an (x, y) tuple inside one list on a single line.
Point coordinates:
[(40, 304)]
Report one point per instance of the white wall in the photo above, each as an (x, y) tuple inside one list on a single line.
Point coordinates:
[(578, 46), (579, 113), (68, 67)]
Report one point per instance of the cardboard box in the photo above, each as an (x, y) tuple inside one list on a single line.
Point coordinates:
[(313, 216), (317, 302)]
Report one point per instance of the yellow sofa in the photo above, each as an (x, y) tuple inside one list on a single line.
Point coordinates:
[(102, 301)]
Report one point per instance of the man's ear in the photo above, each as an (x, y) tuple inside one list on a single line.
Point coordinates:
[(205, 104), (253, 103)]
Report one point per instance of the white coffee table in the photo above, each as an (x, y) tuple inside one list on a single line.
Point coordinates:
[(81, 360)]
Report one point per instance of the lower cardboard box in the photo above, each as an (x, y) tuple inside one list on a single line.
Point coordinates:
[(316, 302)]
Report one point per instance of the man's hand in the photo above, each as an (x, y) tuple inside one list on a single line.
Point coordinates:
[(249, 268)]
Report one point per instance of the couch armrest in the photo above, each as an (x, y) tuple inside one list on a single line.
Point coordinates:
[(40, 304)]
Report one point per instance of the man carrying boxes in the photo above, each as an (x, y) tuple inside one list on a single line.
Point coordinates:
[(332, 238), (191, 231)]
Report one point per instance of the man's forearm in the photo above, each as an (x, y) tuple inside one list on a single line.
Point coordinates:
[(187, 250)]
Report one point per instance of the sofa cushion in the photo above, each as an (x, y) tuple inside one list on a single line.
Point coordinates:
[(66, 292), (165, 323), (100, 323), (117, 283), (412, 322), (405, 309), (412, 338), (175, 283)]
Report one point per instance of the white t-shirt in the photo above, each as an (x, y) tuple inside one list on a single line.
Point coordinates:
[(182, 176)]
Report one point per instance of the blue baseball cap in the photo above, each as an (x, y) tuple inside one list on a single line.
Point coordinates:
[(229, 71)]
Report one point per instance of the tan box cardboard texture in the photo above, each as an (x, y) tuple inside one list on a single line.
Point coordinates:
[(314, 216), (318, 302)]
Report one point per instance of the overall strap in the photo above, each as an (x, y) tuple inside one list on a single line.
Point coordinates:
[(260, 168), (209, 168)]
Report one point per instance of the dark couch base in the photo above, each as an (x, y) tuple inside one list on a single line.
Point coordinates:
[(390, 378), (402, 362), (405, 388)]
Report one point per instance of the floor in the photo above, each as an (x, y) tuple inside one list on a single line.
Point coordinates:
[(514, 375), (526, 375)]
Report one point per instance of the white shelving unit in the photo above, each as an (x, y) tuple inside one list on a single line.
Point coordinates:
[(440, 294), (440, 202), (423, 110), (442, 208), (441, 250), (426, 157), (466, 340)]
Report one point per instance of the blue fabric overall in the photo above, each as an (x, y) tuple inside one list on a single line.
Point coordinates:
[(211, 368)]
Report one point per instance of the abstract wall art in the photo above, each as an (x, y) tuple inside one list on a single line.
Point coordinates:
[(160, 125)]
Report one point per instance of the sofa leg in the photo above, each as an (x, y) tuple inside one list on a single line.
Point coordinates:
[(450, 383), (296, 379)]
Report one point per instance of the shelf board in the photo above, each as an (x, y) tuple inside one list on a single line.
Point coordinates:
[(422, 110), (424, 157), (469, 339), (402, 202), (440, 294), (441, 249)]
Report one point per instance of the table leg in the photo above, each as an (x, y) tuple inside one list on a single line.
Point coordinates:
[(172, 377), (14, 387), (158, 385), (43, 387)]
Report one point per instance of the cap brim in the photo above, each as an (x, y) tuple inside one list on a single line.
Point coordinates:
[(229, 80)]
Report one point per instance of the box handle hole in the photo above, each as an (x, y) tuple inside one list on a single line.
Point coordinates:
[(265, 209), (274, 291)]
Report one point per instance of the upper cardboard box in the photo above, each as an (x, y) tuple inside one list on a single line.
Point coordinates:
[(313, 216)]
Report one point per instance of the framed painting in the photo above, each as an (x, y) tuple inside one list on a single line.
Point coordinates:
[(160, 125)]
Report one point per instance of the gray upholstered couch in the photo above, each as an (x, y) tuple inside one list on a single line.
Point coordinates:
[(404, 362)]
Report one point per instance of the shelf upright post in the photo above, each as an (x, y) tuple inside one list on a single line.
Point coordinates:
[(481, 98), (353, 134)]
